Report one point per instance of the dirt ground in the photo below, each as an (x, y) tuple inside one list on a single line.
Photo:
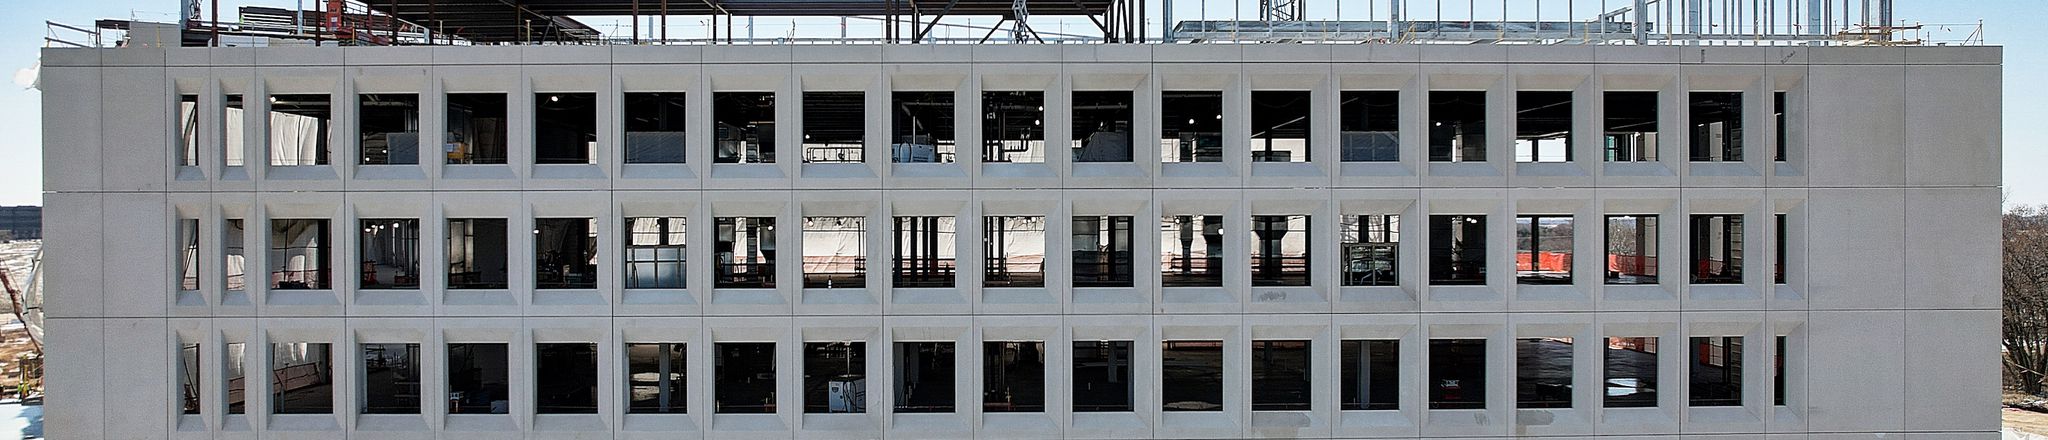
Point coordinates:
[(2026, 421)]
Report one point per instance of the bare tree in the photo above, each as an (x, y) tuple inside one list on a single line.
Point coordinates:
[(2026, 297)]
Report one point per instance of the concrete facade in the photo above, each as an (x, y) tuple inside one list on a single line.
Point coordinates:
[(1890, 190)]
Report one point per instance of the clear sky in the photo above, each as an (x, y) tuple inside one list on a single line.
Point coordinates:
[(2015, 24)]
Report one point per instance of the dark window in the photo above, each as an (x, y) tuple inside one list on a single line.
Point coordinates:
[(564, 128), (389, 128), (477, 379), (1457, 126), (835, 377), (1778, 377), (1015, 251), (922, 130), (1191, 126), (298, 129), (565, 378), (924, 377), (1102, 376), (1543, 373), (389, 250), (565, 253), (745, 252), (835, 252), (301, 378), (744, 127), (1013, 127), (1543, 126), (1631, 373), (1717, 371), (1281, 375), (924, 251), (655, 127), (1191, 375), (188, 378), (1370, 130), (1280, 254), (1013, 376), (188, 254), (1280, 125), (835, 129), (1717, 249), (1372, 374), (237, 384), (188, 130), (1778, 113), (1457, 249), (1632, 249), (1631, 127), (299, 254), (744, 381), (476, 128), (476, 253), (391, 378), (1102, 251), (232, 261), (233, 133), (655, 253), (1102, 126), (1372, 249), (1716, 121), (1543, 249), (1457, 374), (656, 379), (1191, 250), (1778, 275)]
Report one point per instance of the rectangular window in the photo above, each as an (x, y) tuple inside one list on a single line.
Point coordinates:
[(1280, 254), (1457, 374), (655, 253), (744, 127), (1015, 249), (1631, 373), (1778, 377), (1371, 374), (299, 254), (922, 130), (1778, 113), (391, 378), (654, 123), (189, 378), (565, 378), (744, 381), (233, 129), (298, 129), (1370, 130), (924, 252), (235, 362), (1716, 371), (835, 377), (388, 126), (1717, 249), (835, 127), (188, 130), (1631, 127), (477, 379), (1457, 249), (564, 128), (301, 378), (1632, 249), (1280, 125), (389, 250), (1013, 376), (1716, 120), (744, 252), (1457, 126), (1778, 275), (476, 253), (1191, 375), (1191, 126), (1102, 126), (1102, 251), (476, 129), (1281, 375), (1543, 126), (924, 377), (1543, 373), (656, 382), (188, 254), (835, 252), (1372, 249), (1102, 376), (1013, 127), (1191, 250), (565, 253), (1543, 249), (232, 259)]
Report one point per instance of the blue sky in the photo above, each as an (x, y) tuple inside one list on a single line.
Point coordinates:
[(2014, 24)]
